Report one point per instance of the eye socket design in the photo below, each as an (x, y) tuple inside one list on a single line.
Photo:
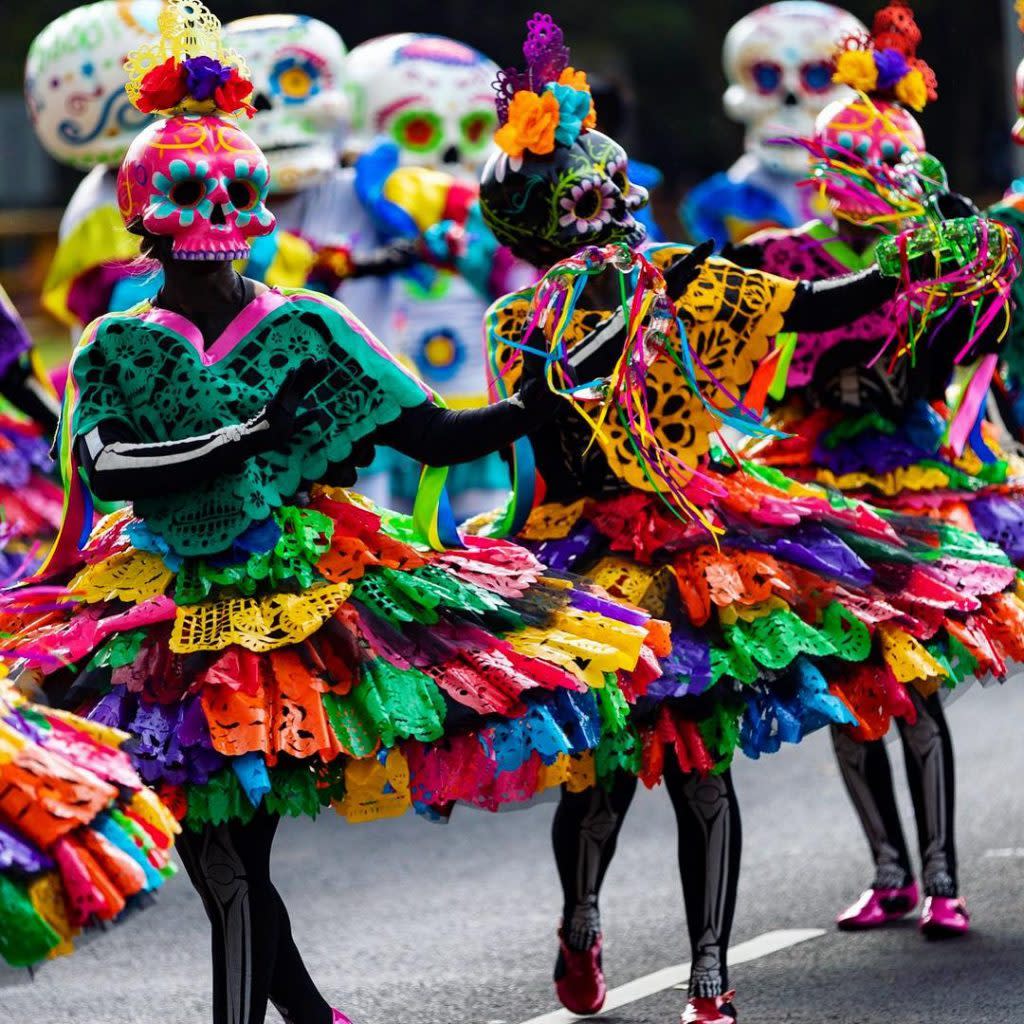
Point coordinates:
[(477, 128), (618, 171), (420, 131), (767, 76), (586, 205), (188, 193), (243, 194), (816, 76), (297, 76)]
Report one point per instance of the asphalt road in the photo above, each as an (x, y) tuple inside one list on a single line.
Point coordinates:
[(408, 923)]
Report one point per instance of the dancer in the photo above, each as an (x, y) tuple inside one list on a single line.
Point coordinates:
[(761, 578), (273, 643), (868, 427), (778, 61)]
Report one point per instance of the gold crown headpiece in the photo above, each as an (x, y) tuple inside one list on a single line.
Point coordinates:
[(187, 69)]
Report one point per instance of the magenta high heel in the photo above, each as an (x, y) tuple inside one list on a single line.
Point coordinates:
[(579, 978), (710, 1010), (337, 1017), (877, 907), (944, 917)]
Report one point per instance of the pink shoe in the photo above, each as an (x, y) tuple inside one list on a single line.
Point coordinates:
[(579, 978), (337, 1017), (709, 1010), (944, 917), (877, 907)]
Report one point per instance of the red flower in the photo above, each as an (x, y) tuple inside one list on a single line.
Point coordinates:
[(162, 87), (231, 96)]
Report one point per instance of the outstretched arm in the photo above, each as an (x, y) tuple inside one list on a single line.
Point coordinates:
[(27, 393)]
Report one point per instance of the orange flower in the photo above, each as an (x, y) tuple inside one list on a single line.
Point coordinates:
[(590, 121), (574, 79), (531, 125)]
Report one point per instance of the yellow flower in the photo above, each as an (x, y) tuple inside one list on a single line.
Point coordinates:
[(911, 90), (574, 79), (856, 68), (531, 124)]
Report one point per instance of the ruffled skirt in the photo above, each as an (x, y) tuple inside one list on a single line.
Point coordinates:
[(328, 658), (81, 838), (810, 609)]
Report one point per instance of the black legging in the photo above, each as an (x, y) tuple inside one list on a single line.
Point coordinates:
[(928, 753), (254, 955), (585, 832)]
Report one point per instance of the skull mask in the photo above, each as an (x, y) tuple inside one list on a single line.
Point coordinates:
[(546, 208), (297, 69), (1018, 128), (200, 181), (74, 81), (884, 137), (429, 94), (778, 60)]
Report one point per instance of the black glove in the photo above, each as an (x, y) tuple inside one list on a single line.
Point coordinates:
[(281, 414), (951, 205), (386, 260), (686, 269)]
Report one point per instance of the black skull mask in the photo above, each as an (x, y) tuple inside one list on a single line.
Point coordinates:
[(545, 208)]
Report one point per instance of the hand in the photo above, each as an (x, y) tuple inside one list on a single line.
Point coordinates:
[(281, 413), (687, 268)]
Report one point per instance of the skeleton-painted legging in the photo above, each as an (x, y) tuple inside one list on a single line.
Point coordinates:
[(585, 832), (254, 955), (928, 753)]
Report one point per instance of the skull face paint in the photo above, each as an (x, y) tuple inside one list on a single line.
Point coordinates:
[(75, 79), (430, 95), (546, 208), (200, 181), (778, 60), (297, 67), (883, 137)]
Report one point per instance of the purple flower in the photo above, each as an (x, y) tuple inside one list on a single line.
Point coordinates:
[(892, 66), (204, 76)]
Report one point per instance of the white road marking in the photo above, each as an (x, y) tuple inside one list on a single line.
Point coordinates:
[(1006, 852), (675, 977)]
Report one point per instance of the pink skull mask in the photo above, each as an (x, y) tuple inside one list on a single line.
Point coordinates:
[(200, 181), (880, 136)]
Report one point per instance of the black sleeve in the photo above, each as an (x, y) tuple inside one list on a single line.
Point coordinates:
[(26, 393), (120, 468), (744, 254), (445, 437), (834, 302)]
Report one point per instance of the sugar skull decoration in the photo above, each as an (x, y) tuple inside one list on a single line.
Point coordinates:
[(873, 135), (779, 64), (297, 67), (429, 94), (194, 177), (75, 81), (556, 184)]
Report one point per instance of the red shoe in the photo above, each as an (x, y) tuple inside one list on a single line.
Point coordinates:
[(943, 917), (709, 1010), (579, 979), (877, 907), (337, 1017)]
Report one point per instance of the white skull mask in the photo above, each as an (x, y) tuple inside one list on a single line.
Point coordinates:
[(778, 60), (75, 79), (297, 66), (429, 94)]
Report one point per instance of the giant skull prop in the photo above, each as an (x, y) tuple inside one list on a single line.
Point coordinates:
[(75, 79), (545, 208), (297, 66), (429, 94), (200, 181), (778, 60)]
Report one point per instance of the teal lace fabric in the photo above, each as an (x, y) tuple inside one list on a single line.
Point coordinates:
[(154, 381)]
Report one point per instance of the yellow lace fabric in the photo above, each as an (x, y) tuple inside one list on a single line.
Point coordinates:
[(552, 521), (909, 661), (130, 576), (731, 316), (257, 624)]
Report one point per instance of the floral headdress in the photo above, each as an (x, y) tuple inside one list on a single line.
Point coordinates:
[(885, 65), (187, 70), (548, 103)]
